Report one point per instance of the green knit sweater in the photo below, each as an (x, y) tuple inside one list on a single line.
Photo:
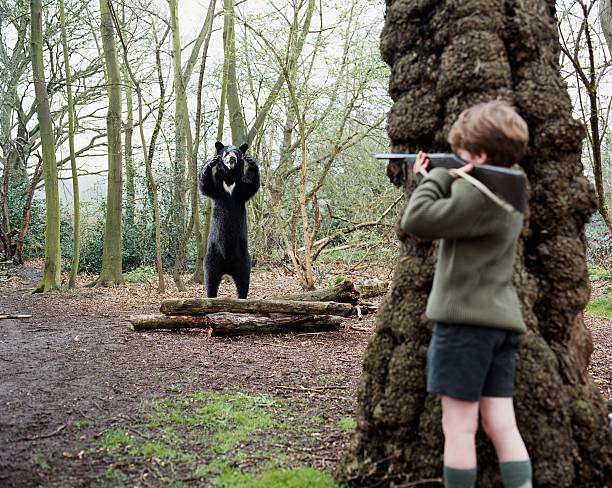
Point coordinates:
[(473, 277)]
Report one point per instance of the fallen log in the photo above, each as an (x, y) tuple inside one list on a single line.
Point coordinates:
[(371, 288), (18, 317), (343, 293), (158, 321), (205, 306), (229, 324)]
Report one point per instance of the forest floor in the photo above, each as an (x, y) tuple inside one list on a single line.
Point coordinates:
[(86, 401)]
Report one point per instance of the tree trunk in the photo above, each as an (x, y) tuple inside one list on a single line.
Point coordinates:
[(130, 190), (234, 107), (605, 19), (76, 205), (51, 279), (476, 51), (205, 306), (228, 324), (179, 234), (25, 215), (111, 253), (149, 154)]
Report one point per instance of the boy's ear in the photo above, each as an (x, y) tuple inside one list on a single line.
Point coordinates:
[(219, 146), (243, 148)]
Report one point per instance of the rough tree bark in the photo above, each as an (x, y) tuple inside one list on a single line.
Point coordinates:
[(446, 55)]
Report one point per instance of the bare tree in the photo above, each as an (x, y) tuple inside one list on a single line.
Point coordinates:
[(582, 47)]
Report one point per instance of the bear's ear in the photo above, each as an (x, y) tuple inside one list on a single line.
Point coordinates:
[(244, 148), (219, 146)]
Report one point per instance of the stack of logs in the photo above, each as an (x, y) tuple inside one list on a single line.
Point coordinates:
[(316, 311)]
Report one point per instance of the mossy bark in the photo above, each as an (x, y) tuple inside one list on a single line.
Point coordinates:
[(51, 279), (446, 56), (110, 273)]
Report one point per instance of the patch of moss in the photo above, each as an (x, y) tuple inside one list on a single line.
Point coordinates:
[(39, 460), (347, 424)]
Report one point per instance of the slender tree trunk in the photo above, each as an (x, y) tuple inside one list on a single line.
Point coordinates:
[(560, 412), (147, 153), (201, 237), (25, 215), (234, 107), (76, 206), (151, 183), (130, 190), (51, 279), (111, 253), (180, 123), (605, 19), (596, 142)]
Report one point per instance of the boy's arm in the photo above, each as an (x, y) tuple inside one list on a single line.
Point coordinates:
[(438, 210)]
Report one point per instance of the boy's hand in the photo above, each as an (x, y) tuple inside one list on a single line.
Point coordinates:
[(421, 163), (464, 169)]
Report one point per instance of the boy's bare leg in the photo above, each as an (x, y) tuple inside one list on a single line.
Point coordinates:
[(499, 423), (459, 423)]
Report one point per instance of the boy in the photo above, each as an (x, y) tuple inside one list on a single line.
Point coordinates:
[(472, 354)]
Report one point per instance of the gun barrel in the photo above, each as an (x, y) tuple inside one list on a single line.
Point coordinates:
[(508, 183)]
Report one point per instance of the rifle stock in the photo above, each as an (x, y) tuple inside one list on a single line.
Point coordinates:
[(509, 184)]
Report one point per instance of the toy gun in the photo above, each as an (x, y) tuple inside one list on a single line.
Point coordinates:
[(509, 184)]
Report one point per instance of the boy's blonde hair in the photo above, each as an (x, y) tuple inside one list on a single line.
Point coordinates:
[(492, 127)]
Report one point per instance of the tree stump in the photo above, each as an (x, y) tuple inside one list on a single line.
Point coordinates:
[(447, 55)]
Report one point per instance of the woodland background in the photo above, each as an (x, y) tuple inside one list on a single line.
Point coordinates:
[(301, 81)]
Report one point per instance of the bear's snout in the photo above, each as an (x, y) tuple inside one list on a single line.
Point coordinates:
[(230, 160)]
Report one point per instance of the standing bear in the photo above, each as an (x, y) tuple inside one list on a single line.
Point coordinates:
[(229, 184)]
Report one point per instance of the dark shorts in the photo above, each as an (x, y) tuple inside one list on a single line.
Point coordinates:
[(466, 362)]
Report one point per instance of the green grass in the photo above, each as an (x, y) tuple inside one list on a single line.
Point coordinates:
[(222, 440), (302, 477), (602, 307), (597, 273), (139, 275), (115, 439)]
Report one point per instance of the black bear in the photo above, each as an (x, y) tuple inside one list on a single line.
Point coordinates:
[(229, 184)]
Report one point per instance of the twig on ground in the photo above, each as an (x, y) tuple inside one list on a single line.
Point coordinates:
[(13, 316), (420, 482), (361, 329), (346, 360), (274, 345), (316, 389), (42, 436)]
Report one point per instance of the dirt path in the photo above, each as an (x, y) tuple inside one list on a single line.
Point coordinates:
[(75, 369)]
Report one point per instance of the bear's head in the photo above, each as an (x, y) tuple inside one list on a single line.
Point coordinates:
[(232, 157)]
